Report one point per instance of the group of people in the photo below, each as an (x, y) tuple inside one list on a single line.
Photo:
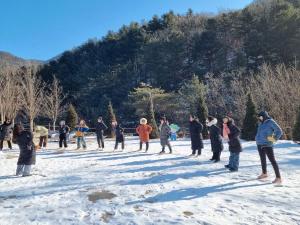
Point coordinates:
[(268, 133)]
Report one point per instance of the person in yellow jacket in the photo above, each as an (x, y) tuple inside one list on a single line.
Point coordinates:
[(41, 133)]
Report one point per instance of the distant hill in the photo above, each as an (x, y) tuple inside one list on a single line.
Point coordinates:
[(7, 59)]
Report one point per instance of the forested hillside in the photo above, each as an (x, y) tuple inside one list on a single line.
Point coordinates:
[(168, 50), (9, 60)]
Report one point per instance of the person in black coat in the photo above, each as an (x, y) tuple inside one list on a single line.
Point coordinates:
[(196, 135), (119, 132), (235, 147), (5, 133), (100, 128), (27, 155), (215, 138), (63, 133)]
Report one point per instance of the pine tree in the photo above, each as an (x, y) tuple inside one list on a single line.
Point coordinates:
[(111, 117), (296, 129), (202, 113), (151, 119), (192, 95), (72, 117), (250, 122)]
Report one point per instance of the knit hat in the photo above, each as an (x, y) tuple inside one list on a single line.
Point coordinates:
[(143, 121)]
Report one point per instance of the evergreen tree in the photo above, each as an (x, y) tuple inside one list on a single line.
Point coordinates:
[(72, 117), (296, 130), (193, 98), (111, 117), (202, 114), (151, 119), (250, 122)]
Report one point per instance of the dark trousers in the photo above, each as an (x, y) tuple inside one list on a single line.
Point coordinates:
[(63, 139), (8, 143), (216, 156), (43, 141), (269, 152), (169, 146), (117, 143), (195, 150), (100, 140), (147, 145)]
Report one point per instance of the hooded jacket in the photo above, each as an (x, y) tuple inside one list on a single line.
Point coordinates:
[(215, 136), (267, 129)]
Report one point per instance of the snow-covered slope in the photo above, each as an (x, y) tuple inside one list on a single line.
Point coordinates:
[(130, 187)]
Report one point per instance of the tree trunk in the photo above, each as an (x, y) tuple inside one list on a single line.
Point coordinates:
[(31, 124), (54, 122)]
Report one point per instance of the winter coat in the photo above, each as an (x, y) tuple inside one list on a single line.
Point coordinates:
[(234, 138), (165, 132), (41, 131), (144, 131), (80, 131), (196, 135), (27, 152), (119, 131), (6, 131), (100, 128), (215, 138), (268, 129), (63, 130)]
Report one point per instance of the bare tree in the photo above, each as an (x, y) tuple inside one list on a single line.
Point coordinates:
[(10, 101), (275, 89), (32, 94), (54, 101)]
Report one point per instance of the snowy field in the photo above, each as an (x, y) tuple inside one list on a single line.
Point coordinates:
[(131, 187)]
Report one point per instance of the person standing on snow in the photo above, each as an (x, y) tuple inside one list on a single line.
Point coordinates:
[(232, 133), (119, 132), (81, 129), (63, 133), (5, 133), (165, 132), (27, 155), (144, 130), (42, 133), (196, 135), (215, 138), (268, 132), (100, 128)]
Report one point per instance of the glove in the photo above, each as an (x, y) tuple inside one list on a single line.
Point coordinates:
[(271, 139)]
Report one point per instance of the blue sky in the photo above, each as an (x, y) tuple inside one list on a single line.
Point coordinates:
[(42, 29)]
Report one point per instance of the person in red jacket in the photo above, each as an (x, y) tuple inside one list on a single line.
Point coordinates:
[(144, 130)]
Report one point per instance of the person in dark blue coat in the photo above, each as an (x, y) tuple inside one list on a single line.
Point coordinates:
[(119, 132), (100, 128), (63, 133), (234, 143), (196, 129), (215, 138), (268, 133), (27, 156)]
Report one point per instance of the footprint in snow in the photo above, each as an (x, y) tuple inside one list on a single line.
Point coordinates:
[(98, 195), (187, 213)]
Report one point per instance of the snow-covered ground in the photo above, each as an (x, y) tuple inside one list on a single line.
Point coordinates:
[(131, 187)]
